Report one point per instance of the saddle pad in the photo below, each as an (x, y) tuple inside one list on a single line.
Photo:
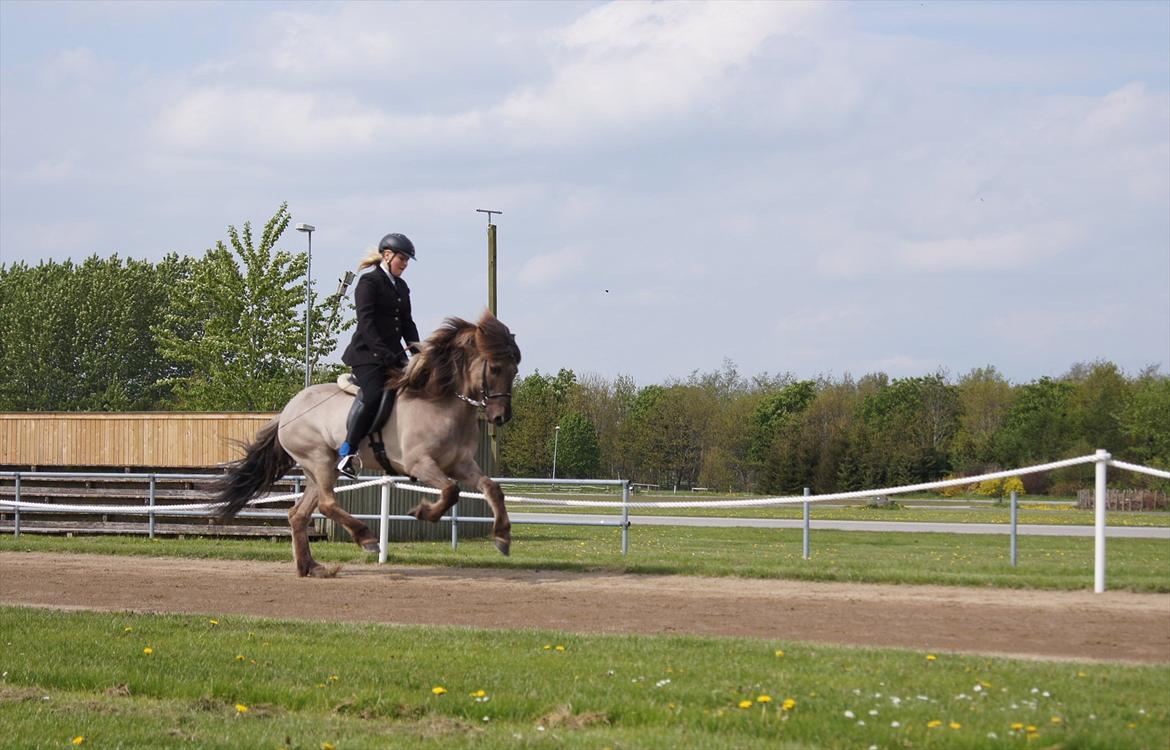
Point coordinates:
[(347, 383)]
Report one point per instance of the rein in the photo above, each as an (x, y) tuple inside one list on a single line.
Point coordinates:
[(484, 395)]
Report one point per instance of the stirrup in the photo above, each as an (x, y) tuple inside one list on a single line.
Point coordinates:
[(345, 465)]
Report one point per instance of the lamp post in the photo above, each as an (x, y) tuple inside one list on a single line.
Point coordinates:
[(556, 439), (308, 229)]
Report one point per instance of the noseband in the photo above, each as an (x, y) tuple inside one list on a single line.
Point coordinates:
[(484, 395)]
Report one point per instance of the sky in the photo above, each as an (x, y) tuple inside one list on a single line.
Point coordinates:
[(811, 188)]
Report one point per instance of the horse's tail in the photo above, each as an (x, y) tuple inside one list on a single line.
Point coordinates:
[(264, 462)]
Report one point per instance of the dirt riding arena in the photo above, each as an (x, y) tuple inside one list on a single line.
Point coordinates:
[(1034, 624)]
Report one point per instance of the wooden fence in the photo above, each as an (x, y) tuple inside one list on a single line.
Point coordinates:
[(1125, 500), (182, 441), (128, 440)]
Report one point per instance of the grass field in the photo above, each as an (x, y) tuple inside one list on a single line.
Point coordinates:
[(947, 559), (141, 681)]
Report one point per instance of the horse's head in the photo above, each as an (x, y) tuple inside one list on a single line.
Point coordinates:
[(498, 361)]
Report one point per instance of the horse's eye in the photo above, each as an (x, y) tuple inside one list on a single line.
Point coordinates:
[(495, 369)]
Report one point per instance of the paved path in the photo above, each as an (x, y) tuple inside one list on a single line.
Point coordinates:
[(1024, 529)]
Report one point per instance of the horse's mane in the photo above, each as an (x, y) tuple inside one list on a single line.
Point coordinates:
[(441, 367)]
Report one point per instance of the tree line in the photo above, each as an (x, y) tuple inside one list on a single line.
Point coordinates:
[(221, 332), (779, 434), (225, 332)]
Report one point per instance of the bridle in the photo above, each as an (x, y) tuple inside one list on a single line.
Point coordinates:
[(484, 395)]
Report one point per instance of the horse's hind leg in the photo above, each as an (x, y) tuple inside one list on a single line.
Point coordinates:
[(298, 520), (428, 472)]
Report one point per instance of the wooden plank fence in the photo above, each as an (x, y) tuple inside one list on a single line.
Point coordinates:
[(173, 440), (1125, 500)]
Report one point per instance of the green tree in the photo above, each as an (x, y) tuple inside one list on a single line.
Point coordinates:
[(1036, 426), (77, 337), (1146, 421), (984, 399), (577, 452), (235, 328), (524, 447)]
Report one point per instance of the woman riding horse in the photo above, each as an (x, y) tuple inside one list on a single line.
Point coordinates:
[(382, 300)]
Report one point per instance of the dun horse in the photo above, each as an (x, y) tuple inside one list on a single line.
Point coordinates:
[(431, 435)]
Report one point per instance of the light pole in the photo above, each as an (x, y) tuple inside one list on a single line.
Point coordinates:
[(556, 439), (308, 229)]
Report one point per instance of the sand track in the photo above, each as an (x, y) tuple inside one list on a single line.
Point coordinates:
[(1036, 624)]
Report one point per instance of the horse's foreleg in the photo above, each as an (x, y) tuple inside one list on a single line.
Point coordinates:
[(428, 472), (298, 520), (501, 525)]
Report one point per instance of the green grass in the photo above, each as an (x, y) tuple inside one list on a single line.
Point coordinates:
[(67, 675), (927, 558)]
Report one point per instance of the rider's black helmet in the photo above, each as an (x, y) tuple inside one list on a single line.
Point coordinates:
[(398, 243)]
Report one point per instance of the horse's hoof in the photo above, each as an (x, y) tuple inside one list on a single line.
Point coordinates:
[(322, 571), (504, 546), (372, 547), (416, 511)]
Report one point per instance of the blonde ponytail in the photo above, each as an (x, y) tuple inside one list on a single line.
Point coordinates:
[(372, 259)]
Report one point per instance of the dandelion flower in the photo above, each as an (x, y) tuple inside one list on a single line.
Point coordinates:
[(764, 699), (1017, 726), (333, 678), (1056, 720), (78, 740), (127, 629), (478, 694), (788, 704), (328, 746), (239, 657), (934, 724), (548, 647), (560, 647), (439, 690), (779, 653), (745, 704), (1031, 729), (241, 708), (214, 622), (956, 725), (148, 650), (931, 657)]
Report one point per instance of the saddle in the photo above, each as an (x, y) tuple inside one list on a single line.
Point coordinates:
[(347, 383)]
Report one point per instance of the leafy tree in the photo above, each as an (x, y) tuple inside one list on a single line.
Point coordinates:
[(77, 337), (524, 447), (1145, 420), (234, 328), (984, 398), (1096, 405), (1036, 426), (577, 452)]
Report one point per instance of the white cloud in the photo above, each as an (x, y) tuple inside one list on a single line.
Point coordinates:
[(553, 266)]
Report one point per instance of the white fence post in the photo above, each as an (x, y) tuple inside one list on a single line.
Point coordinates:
[(384, 524), (1101, 501)]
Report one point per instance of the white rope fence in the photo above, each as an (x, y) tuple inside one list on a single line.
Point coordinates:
[(1100, 459)]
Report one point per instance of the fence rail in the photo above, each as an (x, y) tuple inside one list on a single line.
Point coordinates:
[(1101, 461)]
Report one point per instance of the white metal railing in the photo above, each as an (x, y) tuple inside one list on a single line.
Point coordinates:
[(1101, 460)]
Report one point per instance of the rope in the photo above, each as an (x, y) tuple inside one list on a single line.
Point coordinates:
[(744, 503)]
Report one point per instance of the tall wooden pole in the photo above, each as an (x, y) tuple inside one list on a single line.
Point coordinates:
[(493, 436)]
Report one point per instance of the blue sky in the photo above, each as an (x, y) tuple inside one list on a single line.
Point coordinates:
[(814, 188)]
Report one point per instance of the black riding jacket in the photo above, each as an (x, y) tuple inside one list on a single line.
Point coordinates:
[(383, 321)]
